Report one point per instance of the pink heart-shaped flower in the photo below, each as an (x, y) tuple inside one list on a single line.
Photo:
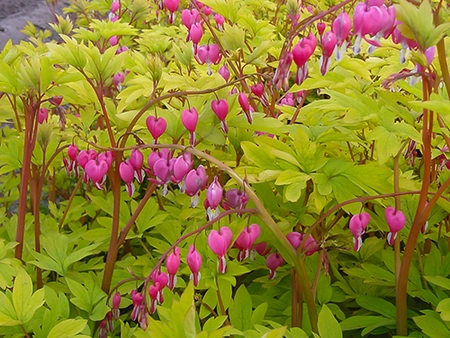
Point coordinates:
[(395, 219), (156, 126), (96, 170)]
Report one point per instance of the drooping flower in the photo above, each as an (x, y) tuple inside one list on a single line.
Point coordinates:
[(219, 242), (96, 171), (194, 261), (396, 221), (358, 224), (214, 197), (116, 305), (42, 115), (189, 118), (136, 160), (209, 54), (301, 53), (341, 28), (156, 126), (172, 6), (172, 264), (126, 172), (273, 262), (245, 240), (220, 108), (136, 298), (196, 181), (328, 45)]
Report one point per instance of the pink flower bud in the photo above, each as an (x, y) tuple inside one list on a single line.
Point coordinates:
[(245, 240), (72, 152), (273, 262), (172, 264), (115, 6), (206, 10), (161, 168), (429, 54), (180, 169), (194, 261), (321, 27), (156, 126), (113, 40), (219, 242), (42, 115), (224, 72)]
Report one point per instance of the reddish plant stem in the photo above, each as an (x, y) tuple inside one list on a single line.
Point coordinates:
[(29, 143), (401, 292)]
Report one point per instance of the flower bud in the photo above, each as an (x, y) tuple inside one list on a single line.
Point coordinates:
[(194, 261)]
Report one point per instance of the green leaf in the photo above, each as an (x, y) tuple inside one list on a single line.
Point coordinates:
[(276, 333), (259, 313), (359, 322), (377, 305), (7, 313), (439, 281), (214, 323), (328, 325), (81, 299), (25, 302), (444, 308), (240, 311), (432, 326), (68, 328)]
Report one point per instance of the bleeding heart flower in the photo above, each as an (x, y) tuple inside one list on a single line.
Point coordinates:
[(189, 118), (136, 160), (396, 221), (116, 305), (126, 172), (341, 28), (213, 197), (220, 108), (274, 261), (196, 181), (219, 19), (172, 264), (194, 261), (113, 40), (358, 224), (321, 27), (225, 72), (219, 242), (195, 34), (96, 171), (156, 126), (172, 6), (262, 249), (115, 6), (209, 54), (245, 240), (328, 45)]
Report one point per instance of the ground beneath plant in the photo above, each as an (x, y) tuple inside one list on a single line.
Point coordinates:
[(14, 15)]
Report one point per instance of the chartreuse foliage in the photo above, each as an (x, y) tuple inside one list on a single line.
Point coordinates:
[(308, 155)]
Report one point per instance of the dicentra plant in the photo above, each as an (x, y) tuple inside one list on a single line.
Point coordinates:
[(227, 168)]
